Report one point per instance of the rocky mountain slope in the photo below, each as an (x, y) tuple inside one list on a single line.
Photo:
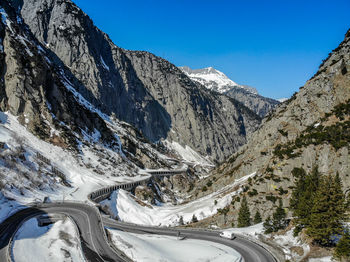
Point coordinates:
[(310, 130), (37, 91), (53, 142), (140, 88), (42, 96), (217, 81)]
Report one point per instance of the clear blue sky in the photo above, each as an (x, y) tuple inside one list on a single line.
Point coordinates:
[(273, 45)]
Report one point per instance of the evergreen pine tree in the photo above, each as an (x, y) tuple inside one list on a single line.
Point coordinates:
[(339, 196), (342, 251), (299, 190), (181, 221), (303, 195), (278, 220), (300, 186), (268, 226), (257, 217), (194, 219), (328, 211), (244, 214), (279, 217), (338, 181), (224, 211), (347, 203)]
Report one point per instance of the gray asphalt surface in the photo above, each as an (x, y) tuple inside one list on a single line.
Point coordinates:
[(251, 252), (92, 234)]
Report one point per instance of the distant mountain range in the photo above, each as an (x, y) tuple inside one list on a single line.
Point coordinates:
[(217, 81)]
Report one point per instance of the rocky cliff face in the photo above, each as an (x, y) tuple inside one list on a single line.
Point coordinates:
[(260, 105), (217, 81), (75, 147), (34, 89), (41, 92), (140, 88), (310, 130)]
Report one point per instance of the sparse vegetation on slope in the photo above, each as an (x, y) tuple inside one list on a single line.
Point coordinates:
[(335, 132)]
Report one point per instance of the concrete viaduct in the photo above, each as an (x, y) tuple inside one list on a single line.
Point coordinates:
[(105, 192)]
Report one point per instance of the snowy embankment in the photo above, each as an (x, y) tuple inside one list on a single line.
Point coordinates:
[(56, 242), (251, 231), (124, 206), (165, 248), (293, 248), (321, 259), (24, 178)]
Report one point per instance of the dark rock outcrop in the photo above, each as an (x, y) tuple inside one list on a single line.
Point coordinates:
[(34, 89), (261, 105), (140, 88), (41, 92)]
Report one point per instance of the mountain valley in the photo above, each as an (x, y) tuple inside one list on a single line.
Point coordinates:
[(157, 153)]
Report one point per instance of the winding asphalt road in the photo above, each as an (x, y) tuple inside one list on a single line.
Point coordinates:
[(251, 252), (88, 220), (95, 245)]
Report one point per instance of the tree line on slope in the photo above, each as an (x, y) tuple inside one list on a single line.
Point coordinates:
[(319, 209), (278, 221)]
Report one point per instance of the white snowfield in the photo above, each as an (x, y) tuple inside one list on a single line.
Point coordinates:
[(188, 154), (286, 242), (214, 79), (209, 74), (248, 231), (30, 179), (57, 242), (128, 210), (153, 248), (281, 100), (321, 259)]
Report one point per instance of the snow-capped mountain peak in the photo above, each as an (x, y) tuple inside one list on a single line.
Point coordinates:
[(281, 100), (213, 79)]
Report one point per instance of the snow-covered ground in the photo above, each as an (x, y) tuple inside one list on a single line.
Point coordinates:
[(188, 154), (211, 78), (165, 248), (8, 207), (321, 259), (24, 178), (287, 242), (251, 231), (56, 242), (281, 100), (129, 210)]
